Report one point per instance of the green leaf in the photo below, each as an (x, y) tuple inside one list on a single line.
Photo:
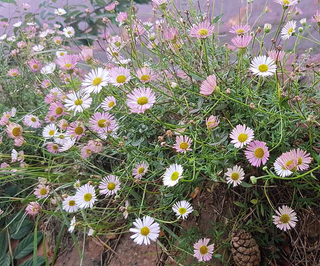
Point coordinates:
[(25, 247), (9, 1), (254, 201), (29, 262), (217, 18), (18, 233), (245, 184), (240, 204), (3, 243), (5, 260)]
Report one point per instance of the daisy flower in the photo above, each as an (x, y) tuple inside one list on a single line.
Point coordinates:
[(95, 80), (76, 130), (172, 175), (203, 30), (119, 76), (140, 170), (241, 135), (33, 208), (183, 144), (77, 102), (235, 175), (86, 152), (145, 74), (285, 219), (52, 147), (38, 48), (263, 66), (203, 251), (68, 32), (85, 196), (87, 55), (57, 40), (286, 3), (182, 209), (257, 153), (276, 56), (49, 131), (48, 69), (316, 18), (95, 146), (67, 145), (288, 30), (208, 86), (145, 230), (109, 185), (42, 191), (56, 109), (303, 159), (34, 65), (69, 204), (13, 72), (280, 165), (72, 225), (102, 122), (14, 130), (60, 11), (61, 138), (68, 61), (108, 103), (61, 53), (240, 29), (77, 184), (241, 42), (212, 122), (139, 100)]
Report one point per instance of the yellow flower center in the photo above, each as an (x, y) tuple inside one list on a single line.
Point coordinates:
[(111, 186), (203, 250), (111, 104), (96, 81), (51, 132), (58, 42), (69, 32), (184, 145), (203, 32), (14, 74), (285, 218), (78, 130), (242, 137), (175, 176), (140, 170), (142, 100), (240, 31), (16, 131), (87, 197), (182, 210), (103, 123), (145, 77), (43, 191), (68, 65), (52, 118), (121, 79), (259, 153), (72, 203), (235, 176), (263, 68), (144, 231), (286, 2), (33, 119), (78, 102), (61, 53), (35, 66), (290, 31), (300, 161), (61, 136), (59, 110), (55, 147), (289, 164)]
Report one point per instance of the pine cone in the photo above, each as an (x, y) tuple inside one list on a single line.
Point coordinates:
[(245, 249)]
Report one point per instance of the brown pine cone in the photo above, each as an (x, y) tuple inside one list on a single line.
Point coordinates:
[(245, 249)]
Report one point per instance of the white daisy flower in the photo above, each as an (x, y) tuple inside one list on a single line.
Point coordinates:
[(235, 175), (145, 230), (263, 66), (95, 80), (108, 103), (61, 138), (77, 184), (85, 196), (109, 185), (182, 209), (72, 224), (50, 131), (3, 37), (61, 53), (77, 102), (69, 204), (281, 168), (68, 32), (17, 24), (241, 135), (67, 145), (286, 3), (48, 69), (288, 30), (32, 121), (285, 219), (172, 175), (38, 48), (60, 11)]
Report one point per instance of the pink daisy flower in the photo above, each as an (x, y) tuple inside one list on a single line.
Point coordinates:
[(33, 208), (86, 54), (108, 103), (56, 109), (140, 170), (32, 121), (139, 100), (212, 122), (119, 76), (14, 130), (122, 18), (102, 122), (316, 18), (111, 6), (52, 147), (201, 31), (183, 144), (95, 146), (57, 40), (303, 159), (257, 153), (76, 130), (171, 34), (208, 86), (277, 56), (203, 251), (67, 62), (63, 124), (109, 185), (35, 65), (284, 164), (13, 72), (241, 42), (86, 152), (145, 74), (42, 191), (285, 219), (240, 29), (235, 175), (241, 135), (18, 142), (45, 84)]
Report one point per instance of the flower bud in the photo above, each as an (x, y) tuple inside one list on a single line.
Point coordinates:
[(253, 180), (267, 27)]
